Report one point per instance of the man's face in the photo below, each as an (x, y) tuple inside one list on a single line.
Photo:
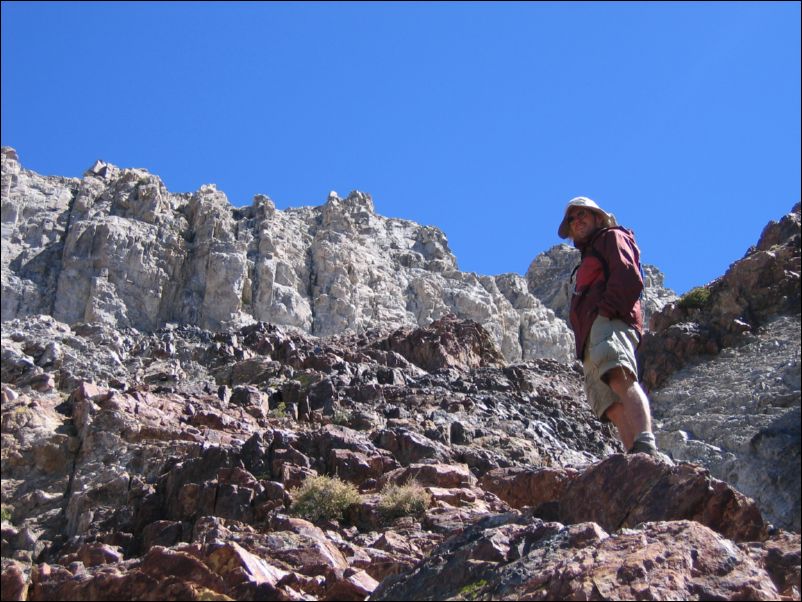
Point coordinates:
[(584, 223)]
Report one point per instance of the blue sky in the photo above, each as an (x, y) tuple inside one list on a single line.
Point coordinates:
[(482, 119)]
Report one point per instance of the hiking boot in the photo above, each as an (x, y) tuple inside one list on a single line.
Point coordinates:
[(644, 448)]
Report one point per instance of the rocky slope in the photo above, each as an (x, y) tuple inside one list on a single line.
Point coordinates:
[(738, 414), (153, 450), (164, 466), (725, 313), (724, 367)]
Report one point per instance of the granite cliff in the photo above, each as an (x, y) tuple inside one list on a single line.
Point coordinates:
[(174, 370)]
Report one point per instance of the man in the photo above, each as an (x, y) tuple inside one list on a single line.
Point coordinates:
[(607, 321)]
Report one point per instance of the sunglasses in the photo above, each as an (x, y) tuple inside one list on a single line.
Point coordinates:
[(579, 214)]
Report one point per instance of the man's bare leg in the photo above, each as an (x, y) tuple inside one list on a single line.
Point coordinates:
[(631, 415)]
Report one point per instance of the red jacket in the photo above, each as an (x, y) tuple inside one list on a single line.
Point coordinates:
[(616, 294)]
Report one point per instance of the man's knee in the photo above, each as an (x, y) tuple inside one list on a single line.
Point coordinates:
[(614, 413), (618, 376)]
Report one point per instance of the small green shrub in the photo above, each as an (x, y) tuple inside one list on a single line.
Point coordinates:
[(403, 500), (696, 298), (323, 498), (205, 594), (5, 514), (341, 417), (472, 590), (305, 379), (280, 411)]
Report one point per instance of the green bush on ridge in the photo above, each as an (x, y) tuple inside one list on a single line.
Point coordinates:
[(323, 498)]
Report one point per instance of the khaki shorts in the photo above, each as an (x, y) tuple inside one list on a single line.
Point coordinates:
[(611, 344)]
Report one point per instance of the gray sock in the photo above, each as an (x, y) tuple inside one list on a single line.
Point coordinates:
[(646, 437)]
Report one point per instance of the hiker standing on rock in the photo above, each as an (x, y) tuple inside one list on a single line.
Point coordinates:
[(607, 321)]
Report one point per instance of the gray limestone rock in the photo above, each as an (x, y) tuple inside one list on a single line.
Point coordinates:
[(117, 248), (738, 415)]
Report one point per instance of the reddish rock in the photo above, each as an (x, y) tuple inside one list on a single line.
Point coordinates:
[(14, 580), (161, 533), (86, 391), (365, 515), (293, 476), (455, 496), (625, 490), (354, 467), (431, 475), (196, 499), (299, 543), (524, 486), (396, 544), (355, 585), (164, 563), (383, 564), (247, 576), (410, 447), (780, 556), (445, 343), (662, 561), (677, 560), (162, 574), (448, 520), (94, 554)]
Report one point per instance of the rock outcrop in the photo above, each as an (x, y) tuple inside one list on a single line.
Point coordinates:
[(165, 465), (516, 557), (738, 414), (116, 247), (762, 285), (724, 367)]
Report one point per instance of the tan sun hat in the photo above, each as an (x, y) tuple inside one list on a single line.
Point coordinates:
[(582, 201)]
